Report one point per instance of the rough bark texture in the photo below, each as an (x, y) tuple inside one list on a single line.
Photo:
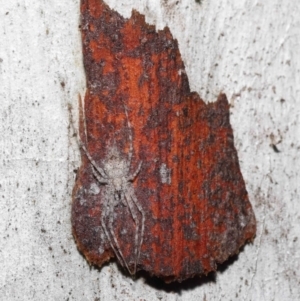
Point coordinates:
[(190, 187)]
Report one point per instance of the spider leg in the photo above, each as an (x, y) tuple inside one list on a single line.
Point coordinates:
[(130, 152), (133, 175), (103, 224), (99, 169), (98, 177), (132, 199), (110, 227)]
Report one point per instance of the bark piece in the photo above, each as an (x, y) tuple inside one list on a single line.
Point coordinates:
[(186, 209)]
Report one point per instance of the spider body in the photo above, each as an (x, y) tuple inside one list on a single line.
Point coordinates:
[(117, 179)]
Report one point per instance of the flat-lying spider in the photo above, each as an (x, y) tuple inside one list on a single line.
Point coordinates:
[(116, 176)]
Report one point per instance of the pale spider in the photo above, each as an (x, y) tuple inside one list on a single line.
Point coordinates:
[(116, 176)]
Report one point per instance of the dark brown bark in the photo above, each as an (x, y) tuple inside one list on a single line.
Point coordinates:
[(190, 187)]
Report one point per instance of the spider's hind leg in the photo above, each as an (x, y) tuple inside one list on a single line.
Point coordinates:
[(132, 200), (116, 249)]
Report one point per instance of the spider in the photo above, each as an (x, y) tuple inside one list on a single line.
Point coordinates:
[(116, 176)]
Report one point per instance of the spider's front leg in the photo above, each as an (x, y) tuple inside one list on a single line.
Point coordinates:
[(101, 172), (98, 176), (132, 176)]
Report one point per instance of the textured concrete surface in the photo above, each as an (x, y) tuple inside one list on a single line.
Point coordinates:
[(250, 50)]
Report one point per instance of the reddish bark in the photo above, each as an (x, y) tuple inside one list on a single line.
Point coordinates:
[(190, 187)]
